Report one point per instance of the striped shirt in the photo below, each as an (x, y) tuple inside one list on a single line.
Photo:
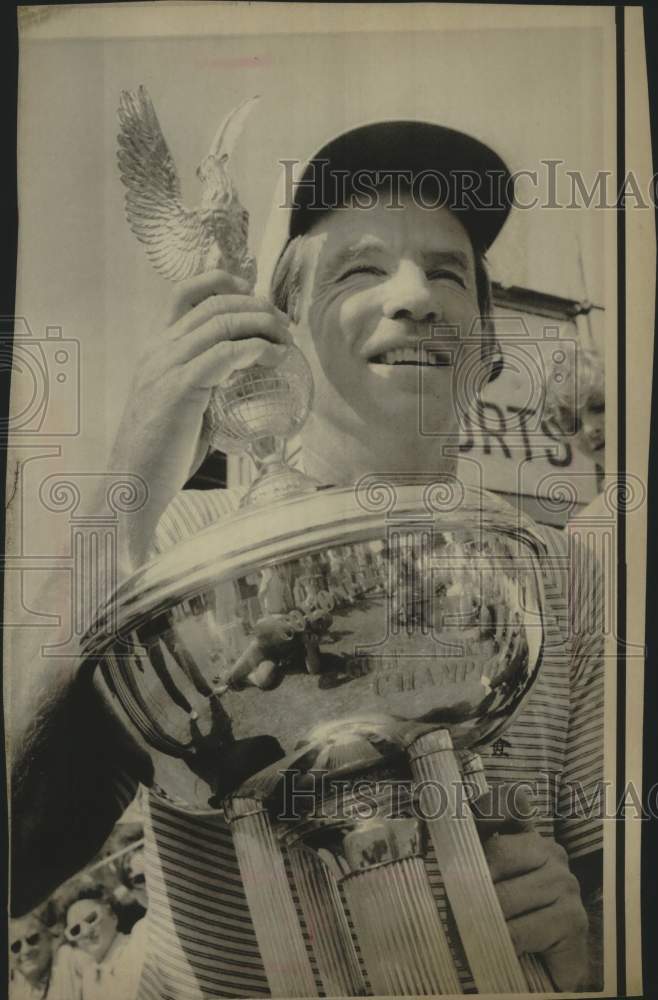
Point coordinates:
[(201, 942)]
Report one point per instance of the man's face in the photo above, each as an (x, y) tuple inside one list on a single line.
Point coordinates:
[(376, 283), (91, 926), (31, 947)]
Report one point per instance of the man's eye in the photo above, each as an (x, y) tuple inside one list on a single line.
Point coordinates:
[(361, 269), (444, 275)]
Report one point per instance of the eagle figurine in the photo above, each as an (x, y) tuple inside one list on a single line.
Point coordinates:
[(181, 241)]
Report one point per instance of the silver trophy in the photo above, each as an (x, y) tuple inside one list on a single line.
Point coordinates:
[(257, 409), (382, 632)]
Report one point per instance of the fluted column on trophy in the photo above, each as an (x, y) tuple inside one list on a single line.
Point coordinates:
[(327, 924), (404, 946), (483, 931), (375, 855), (271, 904), (475, 783)]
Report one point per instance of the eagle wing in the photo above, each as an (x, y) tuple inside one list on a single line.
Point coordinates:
[(231, 128), (176, 239)]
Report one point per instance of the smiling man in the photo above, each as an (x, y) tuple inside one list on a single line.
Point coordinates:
[(374, 285), (368, 287), (361, 289)]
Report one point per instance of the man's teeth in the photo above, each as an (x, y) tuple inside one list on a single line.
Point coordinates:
[(405, 356)]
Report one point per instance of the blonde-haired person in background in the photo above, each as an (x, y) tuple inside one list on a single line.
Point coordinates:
[(576, 401)]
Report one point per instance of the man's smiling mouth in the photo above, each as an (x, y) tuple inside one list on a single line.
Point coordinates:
[(418, 356)]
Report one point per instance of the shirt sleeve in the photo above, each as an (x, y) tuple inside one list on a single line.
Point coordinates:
[(581, 795), (190, 512)]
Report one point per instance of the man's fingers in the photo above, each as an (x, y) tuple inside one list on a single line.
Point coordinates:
[(510, 855), (191, 291), (540, 899), (567, 963), (538, 931), (230, 327), (559, 934), (534, 890), (219, 305), (218, 363), (551, 928), (504, 809)]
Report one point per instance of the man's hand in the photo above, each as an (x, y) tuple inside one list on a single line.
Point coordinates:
[(209, 328), (538, 894)]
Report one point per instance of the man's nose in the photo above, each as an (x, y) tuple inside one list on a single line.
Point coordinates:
[(409, 295)]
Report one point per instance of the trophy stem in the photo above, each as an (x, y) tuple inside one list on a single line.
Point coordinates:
[(272, 907), (534, 970), (485, 937), (396, 921), (275, 481), (327, 925), (399, 930)]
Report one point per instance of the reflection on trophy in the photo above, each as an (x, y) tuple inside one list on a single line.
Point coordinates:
[(379, 635)]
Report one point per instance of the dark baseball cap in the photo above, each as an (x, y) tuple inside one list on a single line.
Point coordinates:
[(441, 166)]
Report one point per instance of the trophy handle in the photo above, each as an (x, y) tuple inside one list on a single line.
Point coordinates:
[(486, 940)]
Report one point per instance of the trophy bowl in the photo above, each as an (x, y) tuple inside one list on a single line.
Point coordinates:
[(330, 621)]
